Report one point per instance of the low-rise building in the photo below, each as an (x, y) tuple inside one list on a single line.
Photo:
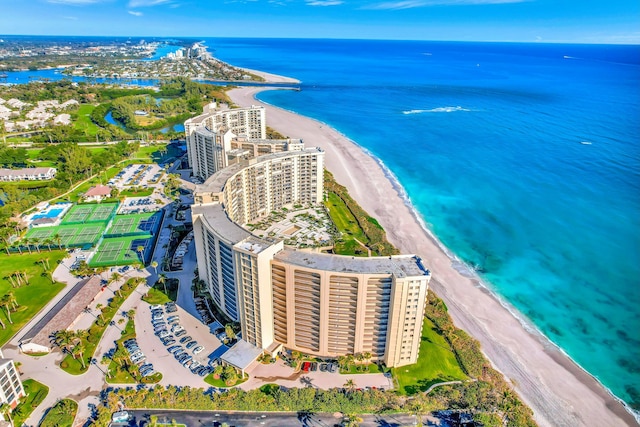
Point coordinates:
[(97, 193), (27, 174)]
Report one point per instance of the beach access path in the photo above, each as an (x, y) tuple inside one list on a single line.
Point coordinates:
[(559, 392)]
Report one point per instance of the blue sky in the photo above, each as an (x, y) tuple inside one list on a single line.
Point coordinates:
[(581, 21)]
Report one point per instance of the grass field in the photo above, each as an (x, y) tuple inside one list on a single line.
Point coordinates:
[(31, 297), (155, 296), (36, 392), (348, 226), (61, 414), (436, 363), (82, 120), (143, 192)]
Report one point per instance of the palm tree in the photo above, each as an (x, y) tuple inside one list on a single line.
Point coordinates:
[(78, 351), (36, 243), (5, 409), (58, 239), (12, 300), (64, 339), (4, 302), (350, 385), (162, 279), (27, 242), (2, 324), (48, 242), (140, 250), (154, 264)]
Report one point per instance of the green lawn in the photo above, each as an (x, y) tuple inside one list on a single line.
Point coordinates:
[(82, 120), (61, 414), (143, 192), (436, 363), (36, 392), (217, 382), (155, 296), (152, 152), (348, 226), (31, 297)]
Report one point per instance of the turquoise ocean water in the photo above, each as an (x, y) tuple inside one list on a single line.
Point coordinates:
[(523, 159)]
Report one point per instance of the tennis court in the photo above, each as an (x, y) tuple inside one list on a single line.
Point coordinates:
[(134, 224), (77, 235), (78, 214), (122, 251)]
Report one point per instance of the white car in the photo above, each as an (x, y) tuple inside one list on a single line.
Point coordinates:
[(198, 349)]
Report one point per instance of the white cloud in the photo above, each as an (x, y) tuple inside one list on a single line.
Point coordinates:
[(409, 4), (71, 18), (145, 3), (74, 2), (135, 13), (324, 2)]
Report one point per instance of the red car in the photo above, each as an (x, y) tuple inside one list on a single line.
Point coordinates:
[(306, 366)]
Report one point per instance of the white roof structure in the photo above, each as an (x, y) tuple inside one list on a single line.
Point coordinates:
[(241, 355)]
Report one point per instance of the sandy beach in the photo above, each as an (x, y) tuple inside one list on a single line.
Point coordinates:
[(559, 392)]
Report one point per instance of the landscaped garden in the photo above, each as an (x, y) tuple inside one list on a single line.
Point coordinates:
[(35, 394), (80, 345), (26, 282), (61, 414), (436, 363)]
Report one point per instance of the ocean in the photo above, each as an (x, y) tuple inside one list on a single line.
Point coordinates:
[(523, 159)]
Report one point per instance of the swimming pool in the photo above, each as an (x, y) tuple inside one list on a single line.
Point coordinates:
[(50, 213)]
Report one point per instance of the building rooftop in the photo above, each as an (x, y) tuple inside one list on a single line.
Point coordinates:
[(218, 220), (98, 190), (399, 265), (241, 355)]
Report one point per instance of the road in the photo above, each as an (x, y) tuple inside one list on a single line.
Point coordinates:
[(270, 419)]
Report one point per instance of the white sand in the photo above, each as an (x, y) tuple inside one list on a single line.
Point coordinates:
[(271, 78), (558, 391)]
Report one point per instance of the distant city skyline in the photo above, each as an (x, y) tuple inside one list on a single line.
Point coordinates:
[(570, 21)]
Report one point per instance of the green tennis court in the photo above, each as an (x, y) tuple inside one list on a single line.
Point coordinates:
[(134, 224), (122, 251), (77, 235), (79, 214)]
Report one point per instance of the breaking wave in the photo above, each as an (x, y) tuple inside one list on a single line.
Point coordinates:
[(437, 110)]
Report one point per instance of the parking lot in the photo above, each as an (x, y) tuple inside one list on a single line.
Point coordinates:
[(137, 175), (172, 370), (139, 205)]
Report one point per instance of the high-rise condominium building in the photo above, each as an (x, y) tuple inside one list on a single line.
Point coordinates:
[(11, 389), (209, 135), (320, 304)]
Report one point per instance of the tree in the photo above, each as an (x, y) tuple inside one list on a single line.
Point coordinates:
[(228, 329), (115, 277), (64, 339), (78, 351), (350, 385), (162, 279), (4, 302), (5, 409), (154, 264), (140, 250)]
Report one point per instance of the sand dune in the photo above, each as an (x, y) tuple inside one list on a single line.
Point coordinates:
[(559, 392)]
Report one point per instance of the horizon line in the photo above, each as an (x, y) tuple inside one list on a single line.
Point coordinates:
[(548, 42)]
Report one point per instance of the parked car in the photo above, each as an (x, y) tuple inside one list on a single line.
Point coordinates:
[(185, 339), (198, 349), (181, 333), (174, 348), (191, 345)]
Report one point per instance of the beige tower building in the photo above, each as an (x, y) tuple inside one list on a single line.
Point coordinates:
[(209, 135), (320, 304)]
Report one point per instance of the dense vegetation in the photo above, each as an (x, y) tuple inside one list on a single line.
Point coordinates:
[(61, 414), (74, 162), (356, 223)]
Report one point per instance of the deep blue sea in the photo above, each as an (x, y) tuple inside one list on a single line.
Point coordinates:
[(524, 160)]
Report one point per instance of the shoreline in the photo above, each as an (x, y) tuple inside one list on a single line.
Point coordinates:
[(558, 390)]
